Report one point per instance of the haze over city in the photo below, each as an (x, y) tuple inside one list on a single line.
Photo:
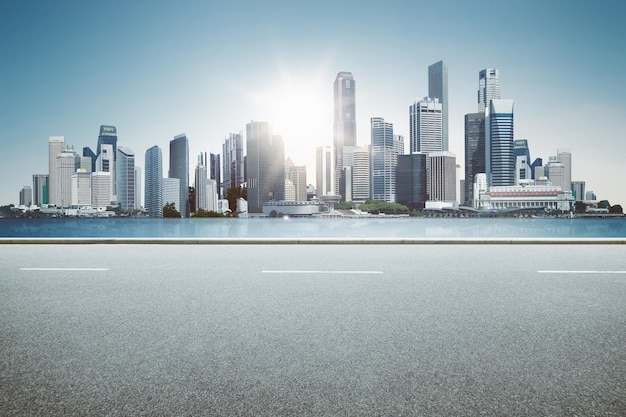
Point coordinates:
[(155, 70)]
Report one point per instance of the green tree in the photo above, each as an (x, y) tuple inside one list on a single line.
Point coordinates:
[(378, 206), (169, 210), (346, 205), (616, 209), (204, 213), (604, 204), (232, 194)]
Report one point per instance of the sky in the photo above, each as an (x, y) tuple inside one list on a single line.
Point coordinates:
[(156, 69)]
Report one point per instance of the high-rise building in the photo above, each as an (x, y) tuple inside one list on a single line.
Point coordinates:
[(265, 165), (555, 172), (488, 88), (296, 174), (138, 188), (179, 168), (154, 182), (411, 187), (344, 120), (474, 151), (214, 171), (105, 162), (125, 170), (357, 171), (108, 136), (100, 189), (385, 150), (171, 192), (325, 171), (499, 159), (26, 196), (232, 153), (66, 166), (438, 88), (81, 188), (40, 189), (426, 125), (201, 184), (88, 153), (564, 156), (55, 147), (578, 190), (523, 170), (442, 185)]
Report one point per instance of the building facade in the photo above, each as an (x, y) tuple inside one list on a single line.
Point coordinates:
[(154, 182), (171, 193), (55, 147), (426, 126), (438, 88), (384, 159), (488, 88), (296, 174), (179, 168), (411, 186), (40, 189), (265, 165), (325, 171), (81, 188), (233, 156), (499, 156), (523, 169), (66, 166), (125, 169), (344, 122), (100, 190), (442, 184), (474, 152)]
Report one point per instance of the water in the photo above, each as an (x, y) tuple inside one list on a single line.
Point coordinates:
[(317, 228)]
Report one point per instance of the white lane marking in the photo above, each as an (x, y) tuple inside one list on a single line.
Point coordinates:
[(582, 272), (321, 272), (64, 269)]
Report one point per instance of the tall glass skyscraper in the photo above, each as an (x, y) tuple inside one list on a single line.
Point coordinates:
[(521, 153), (488, 87), (474, 152), (426, 126), (265, 166), (344, 121), (154, 182), (233, 162), (108, 136), (179, 168), (55, 147), (125, 170), (438, 88), (385, 150), (499, 156)]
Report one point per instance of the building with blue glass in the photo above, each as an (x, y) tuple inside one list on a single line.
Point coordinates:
[(499, 155), (179, 168), (386, 147), (154, 182)]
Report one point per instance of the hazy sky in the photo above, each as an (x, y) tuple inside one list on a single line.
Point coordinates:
[(156, 69)]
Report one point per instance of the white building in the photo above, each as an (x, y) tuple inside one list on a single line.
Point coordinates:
[(55, 147), (442, 184), (66, 166), (125, 177), (171, 192), (550, 197), (100, 190), (81, 188)]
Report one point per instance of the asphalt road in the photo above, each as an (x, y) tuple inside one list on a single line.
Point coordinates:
[(298, 330)]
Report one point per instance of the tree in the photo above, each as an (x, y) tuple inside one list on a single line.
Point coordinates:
[(233, 193), (604, 204), (378, 206), (346, 205), (169, 210), (204, 213), (616, 209), (192, 199), (580, 207)]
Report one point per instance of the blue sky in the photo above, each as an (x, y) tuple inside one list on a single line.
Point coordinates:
[(156, 69)]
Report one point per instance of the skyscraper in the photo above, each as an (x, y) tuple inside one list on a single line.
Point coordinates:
[(426, 126), (442, 185), (411, 187), (179, 168), (474, 152), (523, 171), (499, 159), (265, 165), (438, 88), (81, 188), (138, 188), (385, 150), (344, 120), (233, 162), (154, 182), (108, 136), (201, 183), (125, 169), (105, 162), (488, 88), (40, 189), (66, 166), (100, 189), (55, 147), (565, 157), (26, 196), (214, 171), (296, 174), (325, 171)]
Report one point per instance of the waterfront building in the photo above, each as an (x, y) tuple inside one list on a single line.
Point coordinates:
[(100, 190), (442, 184), (125, 170), (81, 188), (294, 208), (384, 159), (526, 196), (357, 173), (55, 147), (499, 159), (555, 172), (426, 126), (212, 197), (179, 168), (105, 162), (265, 165), (66, 166), (232, 153), (474, 152), (438, 89), (564, 156), (480, 187), (296, 174), (578, 190), (138, 188), (537, 169), (40, 189), (488, 88), (521, 153), (590, 196), (154, 182), (26, 196), (108, 136), (171, 193), (88, 153), (344, 122), (215, 171), (411, 186), (201, 184), (325, 171)]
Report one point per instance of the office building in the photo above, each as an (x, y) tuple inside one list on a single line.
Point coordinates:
[(108, 136), (138, 188), (26, 196), (523, 169), (296, 174), (232, 153), (344, 121), (578, 190), (100, 190), (474, 152), (105, 162), (66, 166), (325, 171), (171, 193), (40, 189), (384, 159), (499, 159), (154, 182), (564, 156), (426, 126), (265, 165), (438, 88), (125, 170), (81, 188), (211, 194), (201, 184), (357, 172), (488, 88), (55, 147), (442, 185), (411, 186), (555, 172), (179, 168), (215, 171)]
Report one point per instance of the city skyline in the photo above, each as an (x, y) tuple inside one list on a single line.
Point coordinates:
[(66, 74)]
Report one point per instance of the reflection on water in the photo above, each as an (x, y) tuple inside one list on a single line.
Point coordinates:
[(334, 227)]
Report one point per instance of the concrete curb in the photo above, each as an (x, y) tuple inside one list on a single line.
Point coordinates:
[(313, 241)]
